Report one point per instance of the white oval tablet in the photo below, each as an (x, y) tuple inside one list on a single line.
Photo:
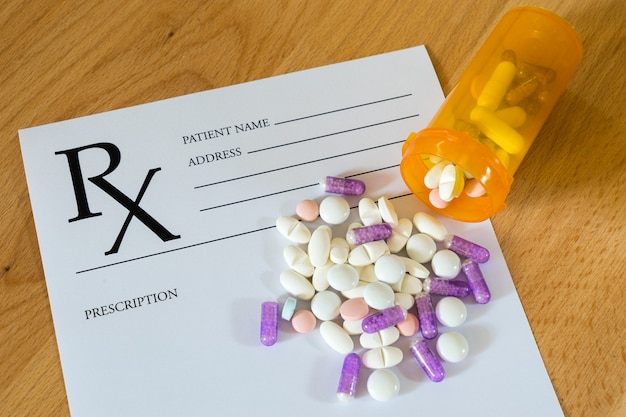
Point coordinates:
[(342, 277), (431, 179), (421, 247), (404, 300), (319, 246), (367, 253), (297, 285), (446, 264), (368, 212), (452, 347), (334, 210), (411, 285), (383, 385), (293, 229), (353, 327), (320, 277), (336, 337), (415, 268), (382, 357), (381, 338), (387, 211), (451, 311), (379, 295), (390, 269), (325, 305), (425, 223), (339, 250), (400, 235), (298, 260)]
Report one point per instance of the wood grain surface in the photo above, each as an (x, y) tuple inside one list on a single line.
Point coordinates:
[(562, 233)]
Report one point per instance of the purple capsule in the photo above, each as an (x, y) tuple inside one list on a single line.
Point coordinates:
[(426, 315), (383, 319), (476, 281), (349, 377), (446, 287), (466, 248), (344, 186), (427, 360), (360, 235), (269, 322)]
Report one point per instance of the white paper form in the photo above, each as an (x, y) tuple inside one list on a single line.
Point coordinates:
[(156, 230)]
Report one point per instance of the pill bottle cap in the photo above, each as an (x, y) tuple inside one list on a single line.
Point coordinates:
[(465, 152)]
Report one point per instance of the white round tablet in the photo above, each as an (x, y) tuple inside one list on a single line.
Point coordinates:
[(421, 247), (451, 311), (379, 295), (452, 347), (390, 269), (342, 277), (334, 210), (383, 385), (325, 305), (446, 264)]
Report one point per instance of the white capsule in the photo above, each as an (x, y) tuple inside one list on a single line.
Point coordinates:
[(325, 305), (379, 295), (298, 260), (339, 250), (383, 385), (343, 277), (297, 285), (425, 223), (382, 357), (336, 337), (334, 210), (387, 211), (319, 246), (390, 269), (293, 229), (421, 247), (452, 347), (367, 253), (381, 338), (451, 311), (446, 264), (368, 212), (400, 235)]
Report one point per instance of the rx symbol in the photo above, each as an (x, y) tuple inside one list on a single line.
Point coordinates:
[(132, 205)]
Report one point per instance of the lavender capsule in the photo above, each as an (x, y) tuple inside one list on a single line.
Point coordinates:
[(466, 248), (383, 319), (427, 360), (349, 377), (476, 281), (344, 186), (269, 322), (426, 315), (360, 235), (446, 287)]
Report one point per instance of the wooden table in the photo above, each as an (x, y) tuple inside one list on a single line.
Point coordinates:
[(562, 233)]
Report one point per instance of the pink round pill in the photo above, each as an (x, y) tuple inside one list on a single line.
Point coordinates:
[(354, 309), (473, 188), (307, 210), (303, 321), (436, 200), (408, 326)]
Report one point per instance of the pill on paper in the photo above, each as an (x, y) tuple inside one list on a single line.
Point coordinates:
[(346, 186), (425, 223), (293, 229), (307, 210), (334, 210)]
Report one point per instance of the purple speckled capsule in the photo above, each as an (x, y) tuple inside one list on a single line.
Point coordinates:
[(446, 287), (346, 186), (476, 281), (349, 377), (426, 315), (269, 322), (360, 235), (427, 360), (383, 319), (466, 248)]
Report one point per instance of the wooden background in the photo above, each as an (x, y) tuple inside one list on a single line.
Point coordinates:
[(562, 234)]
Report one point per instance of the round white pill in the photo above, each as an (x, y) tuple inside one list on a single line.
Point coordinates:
[(390, 269), (452, 347), (451, 311), (421, 247), (446, 264), (378, 295), (334, 210), (325, 305), (336, 337), (383, 385), (425, 223), (342, 277)]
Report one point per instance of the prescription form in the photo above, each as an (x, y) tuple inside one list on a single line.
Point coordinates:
[(156, 231)]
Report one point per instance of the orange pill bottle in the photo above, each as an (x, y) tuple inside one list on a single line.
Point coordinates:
[(489, 121)]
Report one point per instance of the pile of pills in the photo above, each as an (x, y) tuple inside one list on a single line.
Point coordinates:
[(369, 288), (513, 93)]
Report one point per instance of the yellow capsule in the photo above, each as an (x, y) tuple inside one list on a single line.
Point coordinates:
[(497, 130), (509, 55), (514, 116), (496, 87)]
